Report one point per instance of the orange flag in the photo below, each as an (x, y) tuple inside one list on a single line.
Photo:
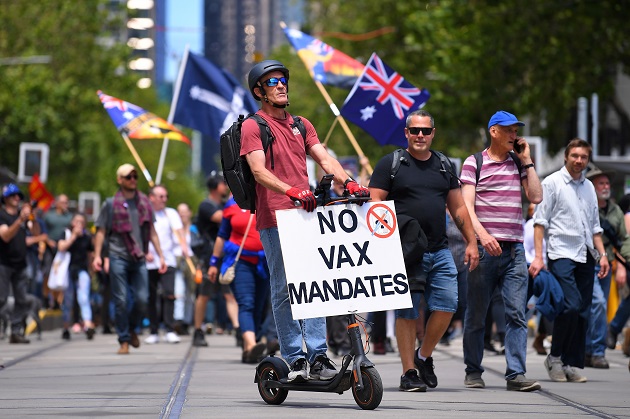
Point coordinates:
[(39, 193)]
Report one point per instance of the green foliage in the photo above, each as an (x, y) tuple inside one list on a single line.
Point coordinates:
[(56, 103), (533, 58)]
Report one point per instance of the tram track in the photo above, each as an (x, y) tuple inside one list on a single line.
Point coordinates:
[(546, 393)]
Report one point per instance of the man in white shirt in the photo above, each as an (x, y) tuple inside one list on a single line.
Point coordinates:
[(568, 218), (170, 231)]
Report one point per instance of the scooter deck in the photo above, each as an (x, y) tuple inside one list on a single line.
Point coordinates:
[(311, 385)]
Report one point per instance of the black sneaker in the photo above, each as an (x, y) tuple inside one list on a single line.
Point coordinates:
[(298, 371), (411, 382), (425, 368), (199, 339), (65, 335), (322, 369), (90, 333)]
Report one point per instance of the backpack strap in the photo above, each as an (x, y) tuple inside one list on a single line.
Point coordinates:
[(396, 161), (446, 166), (479, 160)]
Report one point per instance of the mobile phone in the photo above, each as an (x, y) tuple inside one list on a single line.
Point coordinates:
[(324, 184), (518, 148)]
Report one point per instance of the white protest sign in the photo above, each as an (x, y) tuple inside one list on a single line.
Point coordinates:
[(343, 258)]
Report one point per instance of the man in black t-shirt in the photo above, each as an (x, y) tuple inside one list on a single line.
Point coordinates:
[(209, 216), (421, 188), (14, 221)]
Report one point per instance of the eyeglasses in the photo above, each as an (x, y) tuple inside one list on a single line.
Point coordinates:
[(273, 82), (131, 176), (417, 130)]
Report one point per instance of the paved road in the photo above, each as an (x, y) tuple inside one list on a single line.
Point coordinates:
[(80, 378)]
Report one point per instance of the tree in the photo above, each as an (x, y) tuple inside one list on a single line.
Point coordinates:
[(479, 56), (56, 103)]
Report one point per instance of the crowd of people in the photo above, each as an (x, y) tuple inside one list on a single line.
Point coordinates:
[(485, 263)]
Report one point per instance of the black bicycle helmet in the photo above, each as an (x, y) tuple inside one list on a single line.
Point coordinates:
[(262, 68)]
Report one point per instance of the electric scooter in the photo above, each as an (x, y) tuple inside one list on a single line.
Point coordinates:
[(356, 371)]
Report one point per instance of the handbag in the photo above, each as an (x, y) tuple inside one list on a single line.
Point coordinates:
[(228, 276), (58, 277)]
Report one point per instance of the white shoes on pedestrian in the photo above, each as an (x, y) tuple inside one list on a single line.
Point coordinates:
[(171, 337), (152, 339)]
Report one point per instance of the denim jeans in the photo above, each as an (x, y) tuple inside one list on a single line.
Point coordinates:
[(510, 275), (291, 333), (440, 291), (129, 281), (251, 292), (79, 281), (569, 328), (598, 322), (621, 316)]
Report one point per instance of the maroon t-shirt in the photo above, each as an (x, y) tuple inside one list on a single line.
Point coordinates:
[(289, 154)]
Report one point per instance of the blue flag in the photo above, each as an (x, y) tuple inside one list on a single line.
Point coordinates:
[(209, 98), (380, 101)]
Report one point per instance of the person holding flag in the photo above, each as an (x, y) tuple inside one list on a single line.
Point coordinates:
[(282, 181)]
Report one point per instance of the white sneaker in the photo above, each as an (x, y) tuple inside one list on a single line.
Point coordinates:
[(171, 337), (152, 339)]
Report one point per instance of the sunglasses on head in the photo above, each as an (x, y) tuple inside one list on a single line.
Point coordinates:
[(417, 130), (273, 82), (131, 176)]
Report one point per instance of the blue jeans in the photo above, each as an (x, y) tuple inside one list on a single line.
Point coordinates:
[(251, 292), (82, 284), (621, 316), (569, 328), (598, 322), (440, 291), (291, 332), (129, 280), (510, 275)]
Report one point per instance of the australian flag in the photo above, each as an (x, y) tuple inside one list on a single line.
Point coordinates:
[(208, 98), (380, 101)]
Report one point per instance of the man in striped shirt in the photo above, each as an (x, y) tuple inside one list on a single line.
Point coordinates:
[(569, 219), (493, 197)]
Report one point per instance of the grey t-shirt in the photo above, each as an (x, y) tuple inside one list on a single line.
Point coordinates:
[(116, 242)]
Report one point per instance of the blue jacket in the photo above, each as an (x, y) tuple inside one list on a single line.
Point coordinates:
[(550, 301)]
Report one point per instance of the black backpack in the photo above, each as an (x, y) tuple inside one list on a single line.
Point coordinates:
[(236, 171)]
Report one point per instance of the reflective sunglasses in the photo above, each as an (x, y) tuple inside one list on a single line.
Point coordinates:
[(417, 130), (273, 82), (131, 176)]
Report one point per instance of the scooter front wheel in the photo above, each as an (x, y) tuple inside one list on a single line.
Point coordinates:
[(371, 395), (270, 372)]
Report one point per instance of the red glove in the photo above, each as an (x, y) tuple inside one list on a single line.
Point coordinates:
[(305, 197), (357, 190)]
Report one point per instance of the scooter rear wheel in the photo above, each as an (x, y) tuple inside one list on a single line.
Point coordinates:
[(269, 372), (372, 393)]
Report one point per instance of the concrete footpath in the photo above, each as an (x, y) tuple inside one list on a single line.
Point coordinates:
[(55, 378)]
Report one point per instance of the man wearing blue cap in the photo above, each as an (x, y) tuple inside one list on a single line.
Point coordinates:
[(13, 273), (491, 185)]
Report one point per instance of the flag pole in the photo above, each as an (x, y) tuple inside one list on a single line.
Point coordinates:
[(343, 123), (330, 130), (178, 84), (135, 155)]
